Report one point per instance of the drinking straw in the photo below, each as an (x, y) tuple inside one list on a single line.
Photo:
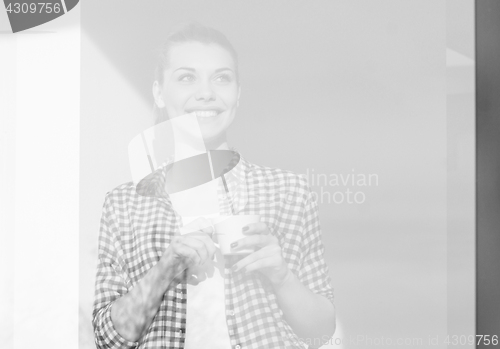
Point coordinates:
[(150, 159), (227, 194), (211, 166), (223, 182)]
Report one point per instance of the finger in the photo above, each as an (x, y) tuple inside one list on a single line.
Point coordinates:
[(200, 276), (210, 246), (210, 271), (188, 255), (215, 239), (192, 280), (199, 235), (203, 253), (201, 272), (209, 230), (205, 231), (263, 253), (256, 228), (202, 222), (207, 242), (268, 262), (198, 246), (193, 276), (202, 236), (253, 241)]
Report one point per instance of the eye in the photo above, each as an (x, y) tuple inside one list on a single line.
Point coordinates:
[(186, 78), (223, 78)]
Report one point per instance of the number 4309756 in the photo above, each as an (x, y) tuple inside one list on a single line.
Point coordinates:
[(471, 340), (40, 7)]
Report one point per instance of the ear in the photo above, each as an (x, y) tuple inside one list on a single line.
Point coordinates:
[(157, 95), (239, 94)]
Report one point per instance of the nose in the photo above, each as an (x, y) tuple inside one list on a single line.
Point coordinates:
[(205, 92)]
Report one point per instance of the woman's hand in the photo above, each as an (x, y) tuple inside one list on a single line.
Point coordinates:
[(188, 252), (311, 315), (133, 313), (267, 258)]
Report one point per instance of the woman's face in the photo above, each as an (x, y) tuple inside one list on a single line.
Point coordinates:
[(201, 79)]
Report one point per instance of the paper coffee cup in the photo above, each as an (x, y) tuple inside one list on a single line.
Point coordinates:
[(229, 230)]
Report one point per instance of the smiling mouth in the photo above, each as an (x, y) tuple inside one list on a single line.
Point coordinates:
[(206, 113)]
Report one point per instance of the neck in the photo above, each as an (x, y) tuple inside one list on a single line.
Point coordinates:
[(218, 144), (188, 138), (185, 150)]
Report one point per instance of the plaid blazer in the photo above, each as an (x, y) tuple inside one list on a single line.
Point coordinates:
[(136, 229)]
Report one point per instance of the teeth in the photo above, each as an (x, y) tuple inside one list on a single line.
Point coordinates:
[(205, 113)]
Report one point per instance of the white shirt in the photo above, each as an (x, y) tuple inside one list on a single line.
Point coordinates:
[(206, 325)]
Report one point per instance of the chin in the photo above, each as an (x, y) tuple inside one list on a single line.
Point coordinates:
[(214, 137), (213, 132)]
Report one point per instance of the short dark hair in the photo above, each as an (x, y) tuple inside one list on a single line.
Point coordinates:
[(192, 32)]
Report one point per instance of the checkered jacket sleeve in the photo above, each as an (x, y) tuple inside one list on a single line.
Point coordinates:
[(314, 271), (111, 283)]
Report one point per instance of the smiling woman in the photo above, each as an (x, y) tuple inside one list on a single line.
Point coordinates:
[(162, 279), (207, 87)]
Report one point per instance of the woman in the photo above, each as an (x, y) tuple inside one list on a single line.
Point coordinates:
[(276, 297)]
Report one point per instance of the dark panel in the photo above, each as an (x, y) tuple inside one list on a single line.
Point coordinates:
[(70, 4), (30, 13), (488, 167)]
